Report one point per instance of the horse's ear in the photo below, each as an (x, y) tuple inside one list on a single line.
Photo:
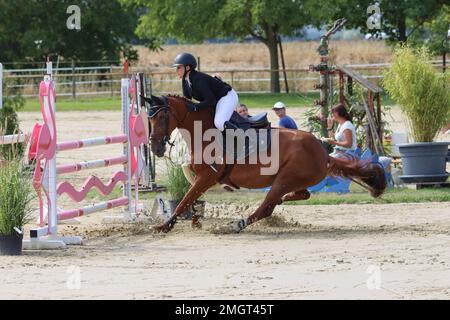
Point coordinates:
[(148, 100), (157, 101)]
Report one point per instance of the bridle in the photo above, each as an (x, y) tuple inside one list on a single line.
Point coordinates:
[(165, 107)]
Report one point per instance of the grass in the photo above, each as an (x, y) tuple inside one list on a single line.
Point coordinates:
[(86, 104), (358, 197), (252, 100), (16, 195)]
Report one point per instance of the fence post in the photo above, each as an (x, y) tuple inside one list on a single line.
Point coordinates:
[(232, 79), (284, 65), (73, 80), (112, 81), (198, 63), (1, 86)]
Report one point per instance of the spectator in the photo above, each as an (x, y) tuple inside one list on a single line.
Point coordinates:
[(344, 139), (285, 121), (242, 110)]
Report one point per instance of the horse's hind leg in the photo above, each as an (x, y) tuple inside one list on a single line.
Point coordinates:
[(296, 195), (272, 199)]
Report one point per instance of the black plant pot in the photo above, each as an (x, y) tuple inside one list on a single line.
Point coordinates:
[(173, 205), (11, 245), (424, 162)]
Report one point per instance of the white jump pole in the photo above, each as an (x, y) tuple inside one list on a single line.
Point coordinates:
[(126, 147), (53, 210)]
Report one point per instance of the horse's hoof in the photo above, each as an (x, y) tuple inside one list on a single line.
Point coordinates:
[(165, 227), (161, 228)]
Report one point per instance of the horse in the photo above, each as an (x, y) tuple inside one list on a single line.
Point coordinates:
[(303, 162)]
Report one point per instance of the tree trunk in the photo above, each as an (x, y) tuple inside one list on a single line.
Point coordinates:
[(402, 30), (272, 44)]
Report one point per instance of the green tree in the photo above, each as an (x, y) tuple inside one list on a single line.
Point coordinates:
[(399, 19), (435, 32), (32, 30), (195, 21)]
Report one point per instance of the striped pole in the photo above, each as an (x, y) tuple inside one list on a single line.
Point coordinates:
[(13, 138), (100, 163), (91, 142), (75, 213)]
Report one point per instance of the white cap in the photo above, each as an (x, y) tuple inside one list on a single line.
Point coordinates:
[(279, 105)]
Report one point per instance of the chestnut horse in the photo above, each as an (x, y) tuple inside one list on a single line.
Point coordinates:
[(303, 162)]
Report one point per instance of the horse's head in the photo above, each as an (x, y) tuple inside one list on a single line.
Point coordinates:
[(164, 118)]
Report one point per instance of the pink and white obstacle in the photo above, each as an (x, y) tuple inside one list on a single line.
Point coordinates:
[(44, 149)]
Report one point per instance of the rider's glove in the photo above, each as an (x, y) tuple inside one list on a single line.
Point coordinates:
[(191, 106)]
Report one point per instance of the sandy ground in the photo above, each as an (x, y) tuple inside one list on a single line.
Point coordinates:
[(304, 252), (383, 251)]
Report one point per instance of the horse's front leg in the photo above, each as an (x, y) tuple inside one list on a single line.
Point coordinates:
[(201, 184)]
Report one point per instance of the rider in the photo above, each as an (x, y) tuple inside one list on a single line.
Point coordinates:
[(211, 92)]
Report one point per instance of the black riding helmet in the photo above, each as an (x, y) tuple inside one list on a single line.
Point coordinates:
[(185, 59)]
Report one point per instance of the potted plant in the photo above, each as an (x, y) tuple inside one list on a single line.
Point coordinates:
[(16, 194), (424, 98), (179, 180), (177, 186)]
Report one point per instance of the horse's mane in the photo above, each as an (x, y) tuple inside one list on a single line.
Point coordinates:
[(177, 96)]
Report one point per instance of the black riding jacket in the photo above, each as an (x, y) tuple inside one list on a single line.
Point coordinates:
[(205, 89)]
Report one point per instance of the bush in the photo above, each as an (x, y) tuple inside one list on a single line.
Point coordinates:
[(16, 194), (177, 183), (422, 93), (9, 122)]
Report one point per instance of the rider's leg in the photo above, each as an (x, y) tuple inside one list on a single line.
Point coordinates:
[(224, 109)]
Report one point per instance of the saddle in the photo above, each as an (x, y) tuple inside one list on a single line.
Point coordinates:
[(258, 139), (259, 121)]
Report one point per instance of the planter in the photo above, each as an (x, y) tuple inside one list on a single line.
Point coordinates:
[(11, 245), (424, 162), (173, 205)]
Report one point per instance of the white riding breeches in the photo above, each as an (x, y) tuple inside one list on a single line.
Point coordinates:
[(224, 109)]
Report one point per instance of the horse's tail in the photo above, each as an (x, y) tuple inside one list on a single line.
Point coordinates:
[(370, 175)]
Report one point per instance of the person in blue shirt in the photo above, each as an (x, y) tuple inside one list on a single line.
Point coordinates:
[(285, 121)]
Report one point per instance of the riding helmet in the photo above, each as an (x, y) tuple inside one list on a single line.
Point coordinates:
[(185, 59)]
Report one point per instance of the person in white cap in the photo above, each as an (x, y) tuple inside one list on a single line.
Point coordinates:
[(285, 121)]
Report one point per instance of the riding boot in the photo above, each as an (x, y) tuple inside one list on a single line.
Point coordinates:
[(230, 126)]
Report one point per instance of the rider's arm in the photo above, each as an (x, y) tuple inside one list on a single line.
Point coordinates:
[(209, 100)]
